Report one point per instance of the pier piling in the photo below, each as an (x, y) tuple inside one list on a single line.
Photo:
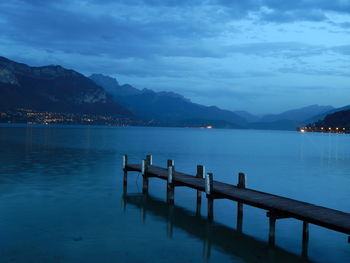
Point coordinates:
[(272, 230), (125, 163), (149, 159), (305, 242), (170, 185), (170, 163), (145, 177), (208, 191), (241, 184), (200, 174)]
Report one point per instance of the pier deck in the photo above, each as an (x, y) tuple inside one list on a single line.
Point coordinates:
[(280, 207)]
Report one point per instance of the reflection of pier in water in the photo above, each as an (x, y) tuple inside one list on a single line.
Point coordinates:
[(213, 234)]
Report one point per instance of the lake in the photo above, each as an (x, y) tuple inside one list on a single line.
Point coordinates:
[(62, 196)]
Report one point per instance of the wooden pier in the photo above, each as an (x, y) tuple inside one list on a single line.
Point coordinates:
[(277, 207)]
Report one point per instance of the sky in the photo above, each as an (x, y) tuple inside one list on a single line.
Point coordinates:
[(262, 56)]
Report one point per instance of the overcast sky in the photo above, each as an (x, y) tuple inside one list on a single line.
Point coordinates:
[(261, 56)]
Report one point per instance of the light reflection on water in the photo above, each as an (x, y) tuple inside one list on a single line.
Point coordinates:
[(61, 195)]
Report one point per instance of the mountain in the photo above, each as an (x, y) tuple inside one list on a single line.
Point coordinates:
[(321, 116), (53, 89), (165, 108), (247, 116), (339, 119), (287, 125), (298, 115)]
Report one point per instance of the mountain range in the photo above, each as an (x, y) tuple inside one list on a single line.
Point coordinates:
[(53, 89), (56, 89), (166, 108)]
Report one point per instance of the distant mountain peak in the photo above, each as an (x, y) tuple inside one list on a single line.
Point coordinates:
[(112, 86), (50, 71), (108, 80)]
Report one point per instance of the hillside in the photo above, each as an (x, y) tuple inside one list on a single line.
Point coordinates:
[(165, 108), (297, 115), (340, 119), (53, 89)]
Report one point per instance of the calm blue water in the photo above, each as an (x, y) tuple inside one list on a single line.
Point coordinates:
[(61, 194)]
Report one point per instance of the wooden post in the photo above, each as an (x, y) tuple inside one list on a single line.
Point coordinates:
[(305, 239), (242, 178), (170, 163), (200, 174), (209, 183), (149, 159), (145, 178), (123, 199), (241, 184), (239, 226), (272, 229), (209, 191), (170, 185), (125, 162), (170, 221)]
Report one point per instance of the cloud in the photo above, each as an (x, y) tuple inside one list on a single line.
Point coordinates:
[(315, 72), (287, 16), (273, 49), (224, 46), (344, 49)]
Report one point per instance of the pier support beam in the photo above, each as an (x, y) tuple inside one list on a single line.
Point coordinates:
[(241, 184), (239, 225), (125, 162), (305, 244), (273, 216), (200, 174), (123, 199), (272, 230), (170, 185), (143, 210), (209, 192), (170, 221)]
